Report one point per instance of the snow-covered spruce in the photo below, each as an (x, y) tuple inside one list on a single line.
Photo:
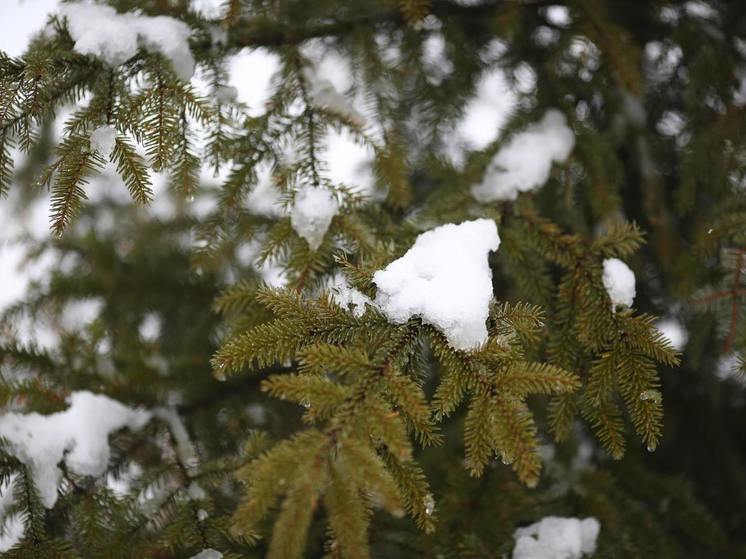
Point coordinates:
[(312, 212), (554, 537), (79, 435), (619, 282), (115, 38), (445, 279), (324, 95), (103, 140), (525, 162)]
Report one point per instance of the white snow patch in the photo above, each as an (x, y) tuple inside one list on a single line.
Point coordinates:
[(250, 72), (115, 38), (79, 313), (525, 162), (79, 435), (619, 282), (699, 9), (313, 210), (103, 140), (445, 279), (348, 297), (265, 198), (558, 15), (672, 329), (351, 164), (672, 123), (325, 96), (208, 554), (727, 367), (271, 271), (554, 537), (150, 327), (486, 112)]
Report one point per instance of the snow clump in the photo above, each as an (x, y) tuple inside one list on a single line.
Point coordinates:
[(312, 212), (103, 140), (619, 282), (445, 279), (554, 537), (526, 160), (115, 38), (78, 435)]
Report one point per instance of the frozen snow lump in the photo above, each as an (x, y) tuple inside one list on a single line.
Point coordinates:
[(445, 279), (554, 537), (525, 162)]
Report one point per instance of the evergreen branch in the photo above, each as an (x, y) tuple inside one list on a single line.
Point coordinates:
[(75, 163), (133, 171), (348, 515), (414, 489)]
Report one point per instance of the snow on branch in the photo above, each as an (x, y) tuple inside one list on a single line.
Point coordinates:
[(445, 279), (312, 213), (78, 435), (619, 282), (324, 95), (115, 38), (525, 162), (554, 537)]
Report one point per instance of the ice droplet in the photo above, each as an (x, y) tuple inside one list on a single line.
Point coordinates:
[(652, 395), (219, 373), (202, 514), (429, 504), (651, 447)]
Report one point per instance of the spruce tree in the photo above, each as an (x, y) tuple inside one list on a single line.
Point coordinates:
[(469, 346)]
